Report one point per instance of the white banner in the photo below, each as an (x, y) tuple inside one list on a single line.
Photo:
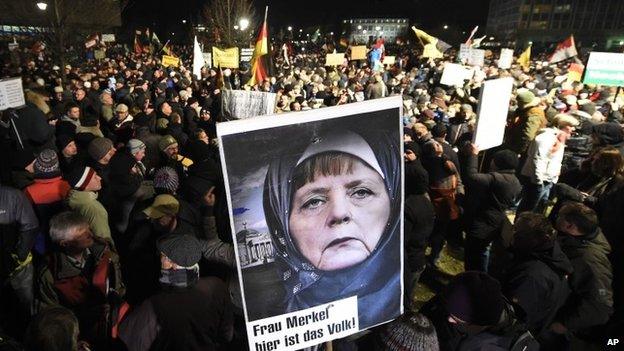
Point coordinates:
[(505, 59), (476, 57), (246, 54), (241, 104), (455, 74), (11, 93), (464, 51), (492, 113)]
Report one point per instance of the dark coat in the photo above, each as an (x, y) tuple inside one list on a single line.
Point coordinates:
[(196, 318), (418, 225), (489, 195), (538, 282), (591, 301)]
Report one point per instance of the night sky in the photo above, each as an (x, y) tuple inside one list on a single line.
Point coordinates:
[(166, 15)]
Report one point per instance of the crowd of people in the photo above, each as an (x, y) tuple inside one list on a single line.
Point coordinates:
[(115, 232)]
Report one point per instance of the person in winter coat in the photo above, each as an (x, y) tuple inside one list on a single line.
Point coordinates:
[(543, 163), (488, 197), (528, 120), (537, 278), (591, 302), (189, 313), (82, 274), (608, 134)]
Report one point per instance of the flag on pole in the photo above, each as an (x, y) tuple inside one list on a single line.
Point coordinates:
[(138, 49), (260, 60), (477, 42), (198, 59), (431, 44), (525, 58), (167, 49), (474, 31), (564, 50)]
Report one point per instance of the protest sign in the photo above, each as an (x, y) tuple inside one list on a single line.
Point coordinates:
[(455, 74), (227, 58), (388, 60), (464, 51), (605, 68), (107, 38), (476, 57), (358, 52), (170, 61), (11, 93), (246, 54), (99, 54), (208, 59), (298, 291), (241, 104), (505, 59), (492, 112), (431, 51), (334, 59)]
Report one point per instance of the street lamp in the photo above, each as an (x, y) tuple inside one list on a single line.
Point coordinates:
[(491, 38), (184, 21), (243, 23), (235, 27), (359, 27), (42, 5), (289, 28), (331, 33), (300, 30), (445, 26)]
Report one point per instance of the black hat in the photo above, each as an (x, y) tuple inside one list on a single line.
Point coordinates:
[(439, 130), (62, 140), (475, 298), (79, 177), (505, 159), (183, 249), (191, 100)]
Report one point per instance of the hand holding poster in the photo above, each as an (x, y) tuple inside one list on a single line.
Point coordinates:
[(492, 113), (306, 280), (334, 59), (227, 58), (358, 52), (505, 59), (11, 93)]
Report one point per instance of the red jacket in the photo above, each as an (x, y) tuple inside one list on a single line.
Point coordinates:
[(47, 191)]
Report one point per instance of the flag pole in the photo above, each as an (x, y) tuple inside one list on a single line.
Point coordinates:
[(266, 12)]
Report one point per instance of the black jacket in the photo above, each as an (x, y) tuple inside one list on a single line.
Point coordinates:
[(591, 301), (418, 225), (538, 282), (489, 195)]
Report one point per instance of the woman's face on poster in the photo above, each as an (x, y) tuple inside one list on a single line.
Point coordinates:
[(336, 221)]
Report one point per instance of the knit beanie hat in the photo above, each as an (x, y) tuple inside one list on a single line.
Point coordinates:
[(135, 145), (476, 298), (505, 159), (63, 140), (410, 332), (184, 250), (166, 179), (99, 147), (165, 142), (79, 177), (47, 165)]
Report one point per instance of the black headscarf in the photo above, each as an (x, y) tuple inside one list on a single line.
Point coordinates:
[(376, 280)]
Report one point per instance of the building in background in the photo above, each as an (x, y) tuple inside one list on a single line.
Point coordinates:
[(594, 23), (363, 30)]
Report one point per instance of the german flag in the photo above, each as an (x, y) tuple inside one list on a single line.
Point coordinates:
[(261, 60)]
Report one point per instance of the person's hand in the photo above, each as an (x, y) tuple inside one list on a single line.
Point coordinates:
[(210, 198), (410, 155), (473, 149), (558, 328), (52, 122)]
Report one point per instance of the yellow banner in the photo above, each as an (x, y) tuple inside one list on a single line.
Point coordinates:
[(170, 61), (227, 58), (334, 59), (358, 52), (431, 51)]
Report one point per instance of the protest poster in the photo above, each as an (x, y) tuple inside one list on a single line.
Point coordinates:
[(476, 57), (431, 51), (334, 59), (99, 54), (168, 60), (108, 38), (11, 93), (492, 113), (227, 58), (246, 54), (605, 68), (305, 280), (389, 60), (505, 59), (241, 104), (464, 51), (455, 74), (208, 59), (358, 52)]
